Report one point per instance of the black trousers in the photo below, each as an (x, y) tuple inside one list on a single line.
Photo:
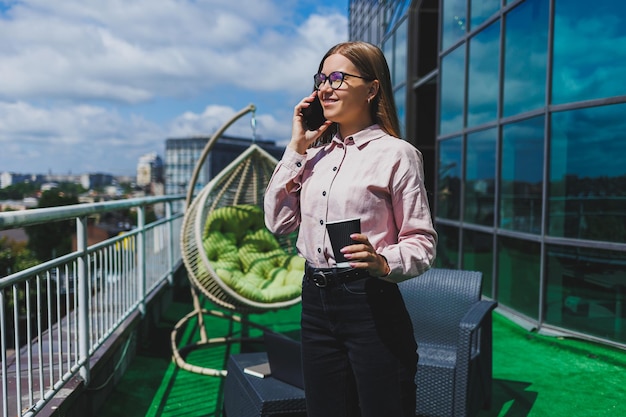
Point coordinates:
[(359, 352)]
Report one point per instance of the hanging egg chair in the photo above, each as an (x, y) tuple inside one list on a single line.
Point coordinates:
[(230, 257)]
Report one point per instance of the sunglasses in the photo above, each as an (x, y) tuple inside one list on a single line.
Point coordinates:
[(335, 79)]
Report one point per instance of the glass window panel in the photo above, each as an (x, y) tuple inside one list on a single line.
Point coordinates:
[(522, 175), (587, 196), (388, 52), (480, 177), (401, 49), (525, 57), (478, 256), (482, 83), (452, 91), (589, 50), (480, 10), (447, 247), (373, 32), (518, 275), (449, 181), (423, 41), (585, 291), (453, 22), (400, 99), (396, 11)]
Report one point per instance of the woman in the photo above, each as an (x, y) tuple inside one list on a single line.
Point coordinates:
[(359, 353)]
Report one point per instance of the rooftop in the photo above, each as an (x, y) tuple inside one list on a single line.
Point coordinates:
[(534, 375)]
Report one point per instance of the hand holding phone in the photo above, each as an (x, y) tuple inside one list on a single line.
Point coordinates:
[(313, 115)]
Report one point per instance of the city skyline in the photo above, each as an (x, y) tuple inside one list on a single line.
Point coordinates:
[(93, 87)]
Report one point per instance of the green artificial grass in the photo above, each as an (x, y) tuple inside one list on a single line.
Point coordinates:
[(538, 376), (534, 375)]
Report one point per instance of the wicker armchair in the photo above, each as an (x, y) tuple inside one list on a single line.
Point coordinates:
[(453, 330)]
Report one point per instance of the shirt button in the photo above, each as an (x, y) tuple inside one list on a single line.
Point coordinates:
[(334, 168), (324, 193), (322, 222), (319, 250), (298, 164)]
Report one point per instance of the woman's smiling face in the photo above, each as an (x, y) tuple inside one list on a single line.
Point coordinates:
[(348, 105)]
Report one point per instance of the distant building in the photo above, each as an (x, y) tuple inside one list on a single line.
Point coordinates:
[(182, 154), (49, 186), (10, 178), (15, 205), (97, 180), (149, 169)]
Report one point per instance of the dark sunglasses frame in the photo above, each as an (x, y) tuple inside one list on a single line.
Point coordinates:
[(320, 78)]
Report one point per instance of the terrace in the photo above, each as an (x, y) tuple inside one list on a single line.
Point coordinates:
[(101, 347)]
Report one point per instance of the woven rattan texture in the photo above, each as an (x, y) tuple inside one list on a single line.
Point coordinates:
[(452, 327), (242, 182), (249, 396)]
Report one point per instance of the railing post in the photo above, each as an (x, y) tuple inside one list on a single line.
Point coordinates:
[(141, 258), (3, 352), (170, 240), (83, 298)]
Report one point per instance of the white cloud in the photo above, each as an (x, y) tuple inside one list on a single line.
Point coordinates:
[(87, 75)]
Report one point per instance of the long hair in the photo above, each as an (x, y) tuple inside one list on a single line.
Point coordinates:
[(371, 63)]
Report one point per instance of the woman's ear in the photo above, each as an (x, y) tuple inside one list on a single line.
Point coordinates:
[(373, 91)]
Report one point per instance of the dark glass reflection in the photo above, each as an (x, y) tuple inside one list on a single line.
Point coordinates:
[(525, 57), (518, 275), (586, 290), (395, 12), (482, 83), (478, 256), (400, 97), (589, 50), (451, 108), (454, 22), (447, 247), (587, 196), (401, 49), (449, 179), (388, 51), (522, 175), (480, 177), (480, 10)]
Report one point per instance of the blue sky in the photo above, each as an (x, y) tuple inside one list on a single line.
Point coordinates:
[(91, 85)]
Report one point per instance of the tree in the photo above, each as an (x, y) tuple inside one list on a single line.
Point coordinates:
[(18, 191), (50, 240), (15, 256)]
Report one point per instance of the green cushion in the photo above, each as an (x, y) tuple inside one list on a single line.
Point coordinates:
[(248, 258)]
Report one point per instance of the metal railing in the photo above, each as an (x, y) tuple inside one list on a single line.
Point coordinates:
[(55, 315)]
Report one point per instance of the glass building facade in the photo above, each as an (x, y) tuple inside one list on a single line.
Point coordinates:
[(182, 155), (519, 109)]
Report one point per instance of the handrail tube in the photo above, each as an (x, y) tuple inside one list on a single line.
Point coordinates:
[(11, 219)]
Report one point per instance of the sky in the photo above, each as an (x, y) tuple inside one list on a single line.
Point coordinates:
[(89, 86)]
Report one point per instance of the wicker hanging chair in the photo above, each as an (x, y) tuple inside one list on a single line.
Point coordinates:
[(241, 183)]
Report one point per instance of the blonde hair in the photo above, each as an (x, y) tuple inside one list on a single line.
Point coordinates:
[(371, 63)]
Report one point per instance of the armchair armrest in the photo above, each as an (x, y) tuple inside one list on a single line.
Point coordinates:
[(475, 316), (475, 332)]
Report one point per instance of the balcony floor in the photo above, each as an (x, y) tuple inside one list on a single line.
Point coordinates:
[(534, 375)]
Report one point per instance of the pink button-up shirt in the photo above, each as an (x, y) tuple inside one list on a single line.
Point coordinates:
[(370, 175)]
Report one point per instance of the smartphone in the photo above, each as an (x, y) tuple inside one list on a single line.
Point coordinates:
[(313, 115)]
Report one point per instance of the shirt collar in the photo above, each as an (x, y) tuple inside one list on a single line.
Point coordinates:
[(363, 137)]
